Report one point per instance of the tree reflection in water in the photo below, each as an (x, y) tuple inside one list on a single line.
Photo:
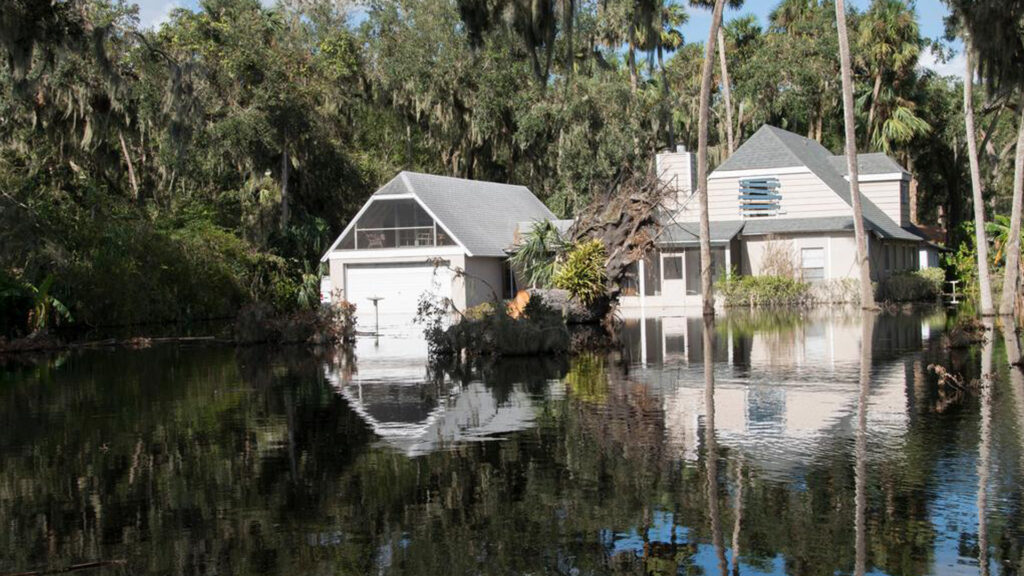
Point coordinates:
[(203, 461)]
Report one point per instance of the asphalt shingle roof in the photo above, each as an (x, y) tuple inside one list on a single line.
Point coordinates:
[(481, 215), (772, 147), (688, 233)]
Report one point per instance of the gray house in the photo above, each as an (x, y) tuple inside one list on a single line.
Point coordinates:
[(389, 252), (779, 192)]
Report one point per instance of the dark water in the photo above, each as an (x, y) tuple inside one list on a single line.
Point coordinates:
[(823, 457)]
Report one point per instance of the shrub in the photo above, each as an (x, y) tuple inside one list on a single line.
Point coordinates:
[(262, 323), (764, 291), (917, 286), (486, 331), (583, 272)]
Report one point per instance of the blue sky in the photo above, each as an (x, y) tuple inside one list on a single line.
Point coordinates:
[(930, 12)]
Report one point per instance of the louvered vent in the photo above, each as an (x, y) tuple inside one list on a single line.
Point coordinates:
[(759, 197)]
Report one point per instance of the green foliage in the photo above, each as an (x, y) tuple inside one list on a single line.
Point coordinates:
[(535, 255), (486, 331), (917, 286), (963, 263), (764, 291), (583, 272)]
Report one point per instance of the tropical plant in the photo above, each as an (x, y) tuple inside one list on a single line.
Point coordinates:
[(46, 310), (582, 273), (999, 231), (535, 256)]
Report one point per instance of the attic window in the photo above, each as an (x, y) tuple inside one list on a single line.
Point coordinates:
[(399, 223), (759, 197)]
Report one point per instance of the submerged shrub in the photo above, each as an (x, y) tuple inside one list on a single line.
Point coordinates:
[(918, 286), (583, 272), (488, 330), (764, 291)]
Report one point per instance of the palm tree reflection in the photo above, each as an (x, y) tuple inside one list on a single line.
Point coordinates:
[(711, 466), (985, 444), (861, 443)]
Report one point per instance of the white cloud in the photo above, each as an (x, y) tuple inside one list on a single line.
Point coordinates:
[(952, 67)]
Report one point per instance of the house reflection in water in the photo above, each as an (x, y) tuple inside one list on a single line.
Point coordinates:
[(417, 412), (785, 384)]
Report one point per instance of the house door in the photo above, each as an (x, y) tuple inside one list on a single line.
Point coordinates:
[(673, 286)]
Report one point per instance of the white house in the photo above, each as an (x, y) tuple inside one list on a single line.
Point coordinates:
[(779, 188), (415, 232)]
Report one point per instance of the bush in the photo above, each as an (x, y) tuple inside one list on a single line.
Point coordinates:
[(918, 286), (487, 331), (764, 291), (261, 323), (583, 272)]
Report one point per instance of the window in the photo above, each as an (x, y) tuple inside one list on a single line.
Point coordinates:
[(399, 223), (812, 263), (759, 197), (672, 267)]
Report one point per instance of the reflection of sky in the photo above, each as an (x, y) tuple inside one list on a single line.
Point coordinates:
[(954, 514)]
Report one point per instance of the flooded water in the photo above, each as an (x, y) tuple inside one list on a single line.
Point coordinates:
[(824, 444)]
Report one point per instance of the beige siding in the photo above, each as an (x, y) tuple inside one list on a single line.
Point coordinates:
[(803, 196), (840, 252), (886, 195), (483, 280), (678, 170)]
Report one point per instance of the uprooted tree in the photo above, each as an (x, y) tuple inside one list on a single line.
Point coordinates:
[(627, 218)]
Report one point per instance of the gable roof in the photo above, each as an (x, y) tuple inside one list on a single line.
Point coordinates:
[(772, 147), (482, 216), (868, 164)]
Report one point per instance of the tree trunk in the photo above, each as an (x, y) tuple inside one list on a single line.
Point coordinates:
[(131, 168), (285, 169), (1012, 277), (726, 92), (867, 297), (702, 161), (872, 109), (984, 284), (912, 192), (668, 104), (633, 82)]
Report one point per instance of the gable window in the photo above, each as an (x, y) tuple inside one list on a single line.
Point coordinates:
[(759, 197), (812, 263), (400, 223)]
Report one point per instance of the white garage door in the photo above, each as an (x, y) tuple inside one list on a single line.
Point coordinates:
[(398, 287)]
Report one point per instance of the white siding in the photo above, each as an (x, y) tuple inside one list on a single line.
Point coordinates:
[(804, 195), (679, 171)]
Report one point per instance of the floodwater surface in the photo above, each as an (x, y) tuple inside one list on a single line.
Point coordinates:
[(820, 443)]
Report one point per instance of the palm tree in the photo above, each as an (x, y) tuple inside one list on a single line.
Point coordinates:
[(1011, 278), (726, 87), (984, 284), (992, 34), (702, 159), (669, 38), (891, 42), (867, 297)]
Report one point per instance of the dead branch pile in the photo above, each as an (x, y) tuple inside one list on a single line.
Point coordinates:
[(626, 219)]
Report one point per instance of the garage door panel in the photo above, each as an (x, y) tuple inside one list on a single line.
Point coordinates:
[(399, 287)]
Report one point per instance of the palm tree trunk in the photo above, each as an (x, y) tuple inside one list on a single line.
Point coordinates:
[(632, 59), (726, 91), (702, 160), (285, 168), (984, 284), (867, 297), (1012, 277), (668, 103), (872, 109)]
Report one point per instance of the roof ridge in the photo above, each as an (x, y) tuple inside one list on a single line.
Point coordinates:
[(404, 175)]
